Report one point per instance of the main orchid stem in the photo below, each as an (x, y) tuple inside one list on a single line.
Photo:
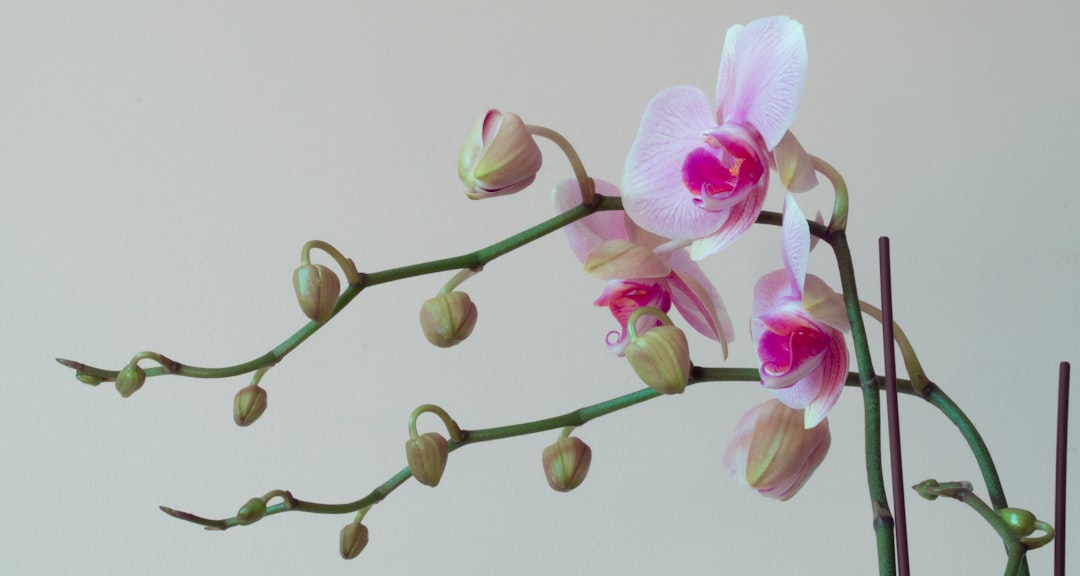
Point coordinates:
[(883, 521)]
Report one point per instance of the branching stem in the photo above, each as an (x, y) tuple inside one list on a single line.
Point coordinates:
[(472, 261), (569, 420)]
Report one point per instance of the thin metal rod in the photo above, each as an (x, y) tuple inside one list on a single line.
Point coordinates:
[(899, 512), (1059, 480)]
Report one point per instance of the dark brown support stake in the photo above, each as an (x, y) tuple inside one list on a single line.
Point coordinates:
[(899, 512), (1059, 480)]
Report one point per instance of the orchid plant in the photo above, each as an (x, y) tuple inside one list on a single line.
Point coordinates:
[(695, 180)]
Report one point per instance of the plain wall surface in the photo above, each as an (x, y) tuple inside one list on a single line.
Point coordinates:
[(161, 164)]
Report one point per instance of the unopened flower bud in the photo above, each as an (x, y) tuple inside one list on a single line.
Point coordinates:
[(566, 463), (130, 379), (499, 156), (427, 455), (447, 319), (248, 404), (661, 358), (88, 378), (354, 537), (1023, 524), (794, 164), (773, 453), (317, 289), (927, 489), (1020, 521), (251, 512)]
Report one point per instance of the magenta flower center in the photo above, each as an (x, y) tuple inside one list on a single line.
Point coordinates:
[(706, 176), (724, 172), (791, 347), (623, 297)]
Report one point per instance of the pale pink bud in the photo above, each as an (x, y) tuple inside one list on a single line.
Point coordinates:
[(661, 358), (317, 289), (566, 463), (499, 156), (427, 455), (447, 319), (772, 452)]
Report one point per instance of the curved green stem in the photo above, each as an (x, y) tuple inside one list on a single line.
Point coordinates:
[(452, 427), (566, 421), (360, 514), (457, 279), (937, 397), (879, 502), (838, 223), (588, 189), (631, 323), (911, 361), (472, 260), (167, 364), (962, 492), (346, 264), (570, 419)]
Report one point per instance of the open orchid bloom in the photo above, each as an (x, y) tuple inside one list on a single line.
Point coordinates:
[(615, 249), (797, 327), (695, 175), (773, 453)]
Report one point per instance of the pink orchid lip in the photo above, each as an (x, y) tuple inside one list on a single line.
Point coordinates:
[(788, 358), (723, 173), (790, 346), (623, 297)]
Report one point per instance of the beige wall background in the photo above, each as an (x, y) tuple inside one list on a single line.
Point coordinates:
[(162, 163)]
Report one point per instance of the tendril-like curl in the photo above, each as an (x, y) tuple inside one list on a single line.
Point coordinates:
[(352, 275)]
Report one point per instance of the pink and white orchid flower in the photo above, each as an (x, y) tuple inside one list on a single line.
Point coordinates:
[(693, 175), (797, 327), (613, 248)]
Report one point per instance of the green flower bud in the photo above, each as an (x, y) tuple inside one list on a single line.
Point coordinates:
[(130, 379), (317, 290), (566, 463), (926, 489), (1019, 520), (427, 455), (661, 358), (447, 319), (248, 404), (88, 378), (354, 537), (251, 512)]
